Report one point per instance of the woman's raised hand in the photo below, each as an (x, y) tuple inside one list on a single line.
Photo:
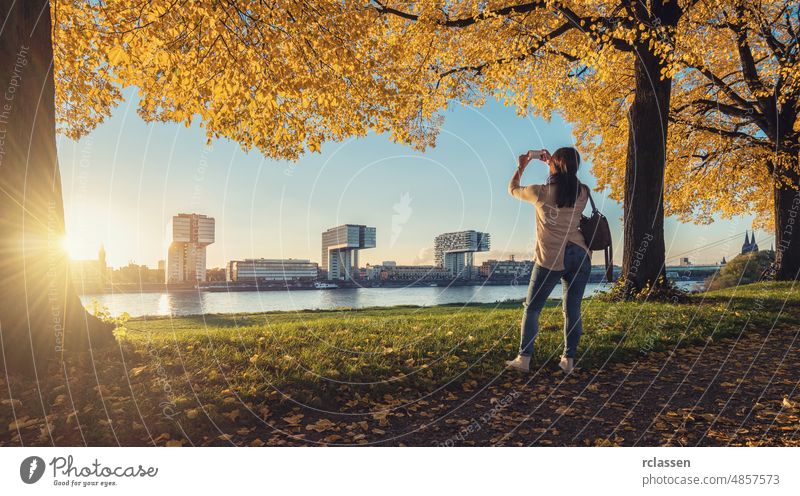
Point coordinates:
[(522, 161)]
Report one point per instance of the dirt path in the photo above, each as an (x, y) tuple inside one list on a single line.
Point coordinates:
[(732, 392)]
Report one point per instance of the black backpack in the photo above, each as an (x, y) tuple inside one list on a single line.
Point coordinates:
[(597, 235)]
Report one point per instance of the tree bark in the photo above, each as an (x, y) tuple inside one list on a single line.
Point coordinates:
[(787, 225), (40, 313), (643, 254), (643, 244)]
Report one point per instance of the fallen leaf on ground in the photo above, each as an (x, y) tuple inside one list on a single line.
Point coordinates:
[(293, 419), (134, 372), (321, 425), (233, 415)]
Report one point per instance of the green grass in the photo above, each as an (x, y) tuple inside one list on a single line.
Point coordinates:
[(319, 356)]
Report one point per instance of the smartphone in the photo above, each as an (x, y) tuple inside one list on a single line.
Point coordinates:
[(536, 154)]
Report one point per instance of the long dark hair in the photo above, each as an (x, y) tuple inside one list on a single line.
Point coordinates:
[(566, 162)]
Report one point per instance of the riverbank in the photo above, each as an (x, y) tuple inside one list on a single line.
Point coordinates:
[(386, 376), (203, 303), (234, 287)]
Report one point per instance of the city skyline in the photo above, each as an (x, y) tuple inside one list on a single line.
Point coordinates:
[(460, 243), (127, 178)]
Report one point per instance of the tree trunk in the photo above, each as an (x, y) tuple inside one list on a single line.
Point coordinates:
[(643, 245), (787, 225), (40, 313)]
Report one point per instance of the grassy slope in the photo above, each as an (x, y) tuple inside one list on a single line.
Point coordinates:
[(319, 356)]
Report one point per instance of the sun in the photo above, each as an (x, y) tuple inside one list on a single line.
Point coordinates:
[(74, 246)]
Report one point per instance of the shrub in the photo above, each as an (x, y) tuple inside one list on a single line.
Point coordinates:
[(744, 269)]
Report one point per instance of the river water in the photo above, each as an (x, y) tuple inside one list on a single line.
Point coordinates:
[(198, 303)]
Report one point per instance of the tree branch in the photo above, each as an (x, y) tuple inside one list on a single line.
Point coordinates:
[(478, 69), (596, 24), (381, 8), (722, 85), (727, 109), (729, 133), (582, 23)]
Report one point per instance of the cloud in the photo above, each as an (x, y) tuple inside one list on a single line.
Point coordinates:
[(424, 257)]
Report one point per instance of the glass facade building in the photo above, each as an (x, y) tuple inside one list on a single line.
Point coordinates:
[(454, 251), (271, 269), (188, 236), (340, 246)]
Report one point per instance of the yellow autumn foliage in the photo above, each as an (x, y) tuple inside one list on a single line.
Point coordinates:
[(284, 76)]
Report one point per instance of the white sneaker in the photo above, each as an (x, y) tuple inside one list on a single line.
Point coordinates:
[(522, 363), (567, 365)]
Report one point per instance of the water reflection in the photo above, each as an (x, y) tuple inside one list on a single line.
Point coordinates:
[(165, 304), (196, 303)]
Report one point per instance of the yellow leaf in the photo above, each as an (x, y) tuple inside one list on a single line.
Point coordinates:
[(321, 425), (233, 415), (293, 419), (15, 403), (134, 372), (117, 55)]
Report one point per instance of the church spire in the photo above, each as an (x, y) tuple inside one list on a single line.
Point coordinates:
[(101, 256), (749, 243)]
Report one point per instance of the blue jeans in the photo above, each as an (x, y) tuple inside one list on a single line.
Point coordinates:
[(577, 267)]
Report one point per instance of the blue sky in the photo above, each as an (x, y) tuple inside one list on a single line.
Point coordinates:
[(124, 181)]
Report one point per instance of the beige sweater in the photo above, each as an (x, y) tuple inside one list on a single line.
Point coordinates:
[(554, 226)]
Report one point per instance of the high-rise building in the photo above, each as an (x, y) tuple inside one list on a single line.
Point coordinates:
[(340, 247), (454, 251), (270, 269), (188, 236)]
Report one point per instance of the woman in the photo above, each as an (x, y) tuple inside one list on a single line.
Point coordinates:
[(560, 252)]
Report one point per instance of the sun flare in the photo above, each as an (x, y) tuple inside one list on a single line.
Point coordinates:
[(75, 247)]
